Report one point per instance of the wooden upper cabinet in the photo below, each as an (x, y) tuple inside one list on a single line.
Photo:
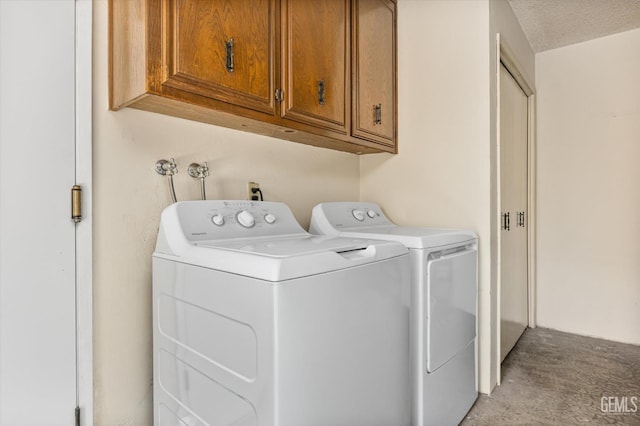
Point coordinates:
[(374, 71), (223, 50), (315, 58), (310, 71)]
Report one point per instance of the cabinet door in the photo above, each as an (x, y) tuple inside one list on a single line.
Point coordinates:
[(315, 61), (224, 50), (374, 71)]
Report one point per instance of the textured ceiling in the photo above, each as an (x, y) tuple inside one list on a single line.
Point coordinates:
[(555, 23)]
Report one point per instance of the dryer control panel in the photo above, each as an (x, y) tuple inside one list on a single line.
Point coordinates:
[(341, 215)]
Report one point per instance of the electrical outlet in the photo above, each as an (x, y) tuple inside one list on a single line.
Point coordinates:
[(251, 190)]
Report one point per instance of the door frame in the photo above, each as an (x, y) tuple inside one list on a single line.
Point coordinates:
[(506, 58), (84, 233)]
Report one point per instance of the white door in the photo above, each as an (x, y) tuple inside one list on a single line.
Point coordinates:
[(513, 205), (37, 250)]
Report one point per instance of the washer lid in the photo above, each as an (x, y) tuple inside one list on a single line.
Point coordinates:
[(302, 245), (281, 259), (366, 220)]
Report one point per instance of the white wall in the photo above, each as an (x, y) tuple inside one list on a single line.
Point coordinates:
[(441, 175), (128, 199), (589, 187)]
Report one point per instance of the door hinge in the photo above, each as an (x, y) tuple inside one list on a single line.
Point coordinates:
[(279, 95), (76, 203), (77, 416)]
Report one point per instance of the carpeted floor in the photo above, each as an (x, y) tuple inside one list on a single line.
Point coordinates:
[(555, 378)]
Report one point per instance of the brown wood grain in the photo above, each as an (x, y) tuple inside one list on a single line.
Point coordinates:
[(374, 72), (178, 108), (316, 48), (169, 56), (196, 58), (127, 67)]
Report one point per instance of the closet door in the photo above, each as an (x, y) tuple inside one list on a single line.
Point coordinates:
[(513, 194), (38, 243)]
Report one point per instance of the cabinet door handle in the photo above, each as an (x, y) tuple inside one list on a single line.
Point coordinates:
[(378, 114), (230, 55), (321, 92), (521, 219), (506, 225)]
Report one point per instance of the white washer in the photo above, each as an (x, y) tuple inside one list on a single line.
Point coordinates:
[(257, 322), (443, 304)]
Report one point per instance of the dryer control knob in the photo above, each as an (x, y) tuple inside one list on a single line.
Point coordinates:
[(218, 220), (358, 214), (371, 214), (269, 218), (246, 219)]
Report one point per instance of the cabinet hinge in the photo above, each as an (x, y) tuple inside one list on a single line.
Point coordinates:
[(76, 203), (279, 95), (77, 416)]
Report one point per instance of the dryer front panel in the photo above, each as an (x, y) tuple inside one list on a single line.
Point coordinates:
[(450, 304)]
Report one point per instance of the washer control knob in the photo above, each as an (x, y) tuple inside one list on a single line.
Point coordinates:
[(246, 219), (269, 218), (358, 214), (371, 214), (218, 220)]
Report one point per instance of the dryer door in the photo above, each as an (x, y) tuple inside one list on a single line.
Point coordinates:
[(450, 304)]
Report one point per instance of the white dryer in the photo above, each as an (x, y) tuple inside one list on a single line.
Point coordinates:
[(257, 322), (443, 306)]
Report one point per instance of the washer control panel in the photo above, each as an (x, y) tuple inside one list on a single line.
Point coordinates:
[(219, 219)]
